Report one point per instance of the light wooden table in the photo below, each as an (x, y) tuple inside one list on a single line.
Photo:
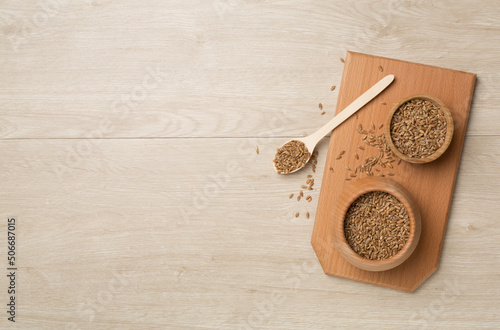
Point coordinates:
[(127, 138)]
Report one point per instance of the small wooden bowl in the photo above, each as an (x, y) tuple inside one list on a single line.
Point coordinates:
[(350, 193), (449, 130)]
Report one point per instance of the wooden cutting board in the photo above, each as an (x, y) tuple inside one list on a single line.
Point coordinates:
[(431, 185)]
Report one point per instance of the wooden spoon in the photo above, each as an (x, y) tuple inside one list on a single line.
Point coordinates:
[(312, 140)]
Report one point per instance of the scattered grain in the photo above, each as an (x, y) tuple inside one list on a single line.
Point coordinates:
[(381, 68), (323, 113), (297, 214), (342, 60), (290, 197), (332, 88)]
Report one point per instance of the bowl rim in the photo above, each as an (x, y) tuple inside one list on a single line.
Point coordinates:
[(348, 196), (449, 132)]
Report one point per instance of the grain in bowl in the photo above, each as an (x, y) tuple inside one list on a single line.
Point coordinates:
[(420, 128), (375, 224)]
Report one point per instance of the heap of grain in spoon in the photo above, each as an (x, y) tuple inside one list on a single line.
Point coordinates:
[(291, 156)]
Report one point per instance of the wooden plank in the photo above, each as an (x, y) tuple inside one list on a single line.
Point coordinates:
[(110, 238), (222, 78), (431, 185)]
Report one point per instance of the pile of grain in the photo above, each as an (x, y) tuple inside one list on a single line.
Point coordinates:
[(377, 225), (418, 128), (291, 156)]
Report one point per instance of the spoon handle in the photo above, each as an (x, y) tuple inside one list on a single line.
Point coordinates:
[(357, 104)]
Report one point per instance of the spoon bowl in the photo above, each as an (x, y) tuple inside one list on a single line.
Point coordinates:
[(310, 145)]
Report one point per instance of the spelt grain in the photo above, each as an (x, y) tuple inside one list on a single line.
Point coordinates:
[(418, 128), (291, 156), (377, 225)]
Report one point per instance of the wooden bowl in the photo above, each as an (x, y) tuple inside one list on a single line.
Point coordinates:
[(350, 193), (449, 131)]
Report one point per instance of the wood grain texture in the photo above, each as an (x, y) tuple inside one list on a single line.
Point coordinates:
[(227, 65), (120, 214), (129, 216), (430, 185)]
